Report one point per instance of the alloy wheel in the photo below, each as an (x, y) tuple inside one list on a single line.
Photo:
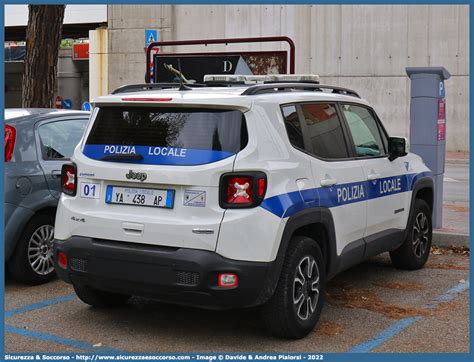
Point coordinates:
[(421, 230), (306, 287), (40, 250)]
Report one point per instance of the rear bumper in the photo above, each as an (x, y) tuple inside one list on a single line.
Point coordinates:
[(177, 275)]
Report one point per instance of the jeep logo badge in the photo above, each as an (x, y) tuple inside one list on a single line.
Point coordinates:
[(139, 176)]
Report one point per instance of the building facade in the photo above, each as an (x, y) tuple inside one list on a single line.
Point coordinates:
[(364, 47)]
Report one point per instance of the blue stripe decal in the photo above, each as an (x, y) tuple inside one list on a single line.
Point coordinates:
[(157, 155), (288, 204)]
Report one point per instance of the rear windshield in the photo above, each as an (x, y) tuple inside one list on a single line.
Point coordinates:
[(166, 135)]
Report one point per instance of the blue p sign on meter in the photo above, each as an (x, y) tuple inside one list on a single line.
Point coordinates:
[(86, 106), (442, 92)]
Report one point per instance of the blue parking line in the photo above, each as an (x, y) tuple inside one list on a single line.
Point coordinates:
[(364, 347), (59, 340), (43, 304), (385, 335), (449, 295), (404, 323)]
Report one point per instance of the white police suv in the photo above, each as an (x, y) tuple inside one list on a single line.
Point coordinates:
[(229, 194)]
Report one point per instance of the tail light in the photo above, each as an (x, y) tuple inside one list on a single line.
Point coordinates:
[(69, 179), (242, 190), (10, 137)]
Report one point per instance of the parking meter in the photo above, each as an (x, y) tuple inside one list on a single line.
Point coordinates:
[(428, 126)]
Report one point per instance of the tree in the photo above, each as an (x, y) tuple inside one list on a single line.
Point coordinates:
[(43, 37)]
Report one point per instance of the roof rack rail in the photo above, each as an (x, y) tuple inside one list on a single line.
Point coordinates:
[(151, 86), (277, 87), (267, 87)]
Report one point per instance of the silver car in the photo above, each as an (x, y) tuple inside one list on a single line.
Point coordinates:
[(37, 143)]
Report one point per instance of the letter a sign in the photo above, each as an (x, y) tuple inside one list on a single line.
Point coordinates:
[(150, 36)]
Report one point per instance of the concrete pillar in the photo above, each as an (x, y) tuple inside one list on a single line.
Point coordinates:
[(70, 74), (98, 59)]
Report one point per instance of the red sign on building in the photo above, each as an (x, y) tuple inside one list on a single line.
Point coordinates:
[(80, 51)]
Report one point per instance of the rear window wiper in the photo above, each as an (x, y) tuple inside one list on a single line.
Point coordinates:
[(123, 157)]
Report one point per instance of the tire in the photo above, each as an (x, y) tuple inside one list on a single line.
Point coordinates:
[(415, 250), (290, 313), (32, 261), (99, 298)]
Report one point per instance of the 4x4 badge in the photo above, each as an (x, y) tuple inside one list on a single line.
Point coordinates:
[(139, 176)]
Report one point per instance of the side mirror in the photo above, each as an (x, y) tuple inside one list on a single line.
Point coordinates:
[(397, 147)]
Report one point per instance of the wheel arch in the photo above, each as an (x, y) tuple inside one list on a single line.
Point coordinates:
[(426, 194), (47, 210), (316, 223), (423, 189), (16, 235)]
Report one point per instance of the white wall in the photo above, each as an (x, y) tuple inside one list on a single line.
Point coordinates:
[(362, 47)]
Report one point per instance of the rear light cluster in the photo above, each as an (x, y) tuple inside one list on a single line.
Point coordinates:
[(242, 190), (10, 137), (69, 179)]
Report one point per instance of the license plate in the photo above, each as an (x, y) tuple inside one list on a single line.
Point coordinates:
[(139, 197)]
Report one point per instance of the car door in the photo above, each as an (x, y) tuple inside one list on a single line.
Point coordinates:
[(339, 179), (56, 140), (386, 184)]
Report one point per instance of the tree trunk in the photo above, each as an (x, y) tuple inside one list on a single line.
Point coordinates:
[(43, 37)]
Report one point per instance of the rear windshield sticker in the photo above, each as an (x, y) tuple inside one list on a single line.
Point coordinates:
[(153, 155)]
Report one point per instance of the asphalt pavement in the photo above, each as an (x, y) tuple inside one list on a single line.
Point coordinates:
[(456, 183), (369, 308), (455, 228)]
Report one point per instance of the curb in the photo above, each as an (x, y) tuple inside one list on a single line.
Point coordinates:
[(458, 161), (447, 239)]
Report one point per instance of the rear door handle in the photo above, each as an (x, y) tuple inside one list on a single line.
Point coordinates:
[(56, 173), (328, 182), (132, 228), (373, 176)]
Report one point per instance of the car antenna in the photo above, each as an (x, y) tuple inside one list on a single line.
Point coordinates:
[(182, 86)]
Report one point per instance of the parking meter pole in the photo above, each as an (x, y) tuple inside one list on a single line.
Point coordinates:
[(428, 126)]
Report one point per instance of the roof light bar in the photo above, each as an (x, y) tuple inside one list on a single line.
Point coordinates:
[(295, 78), (134, 99), (254, 79), (224, 78), (258, 78)]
